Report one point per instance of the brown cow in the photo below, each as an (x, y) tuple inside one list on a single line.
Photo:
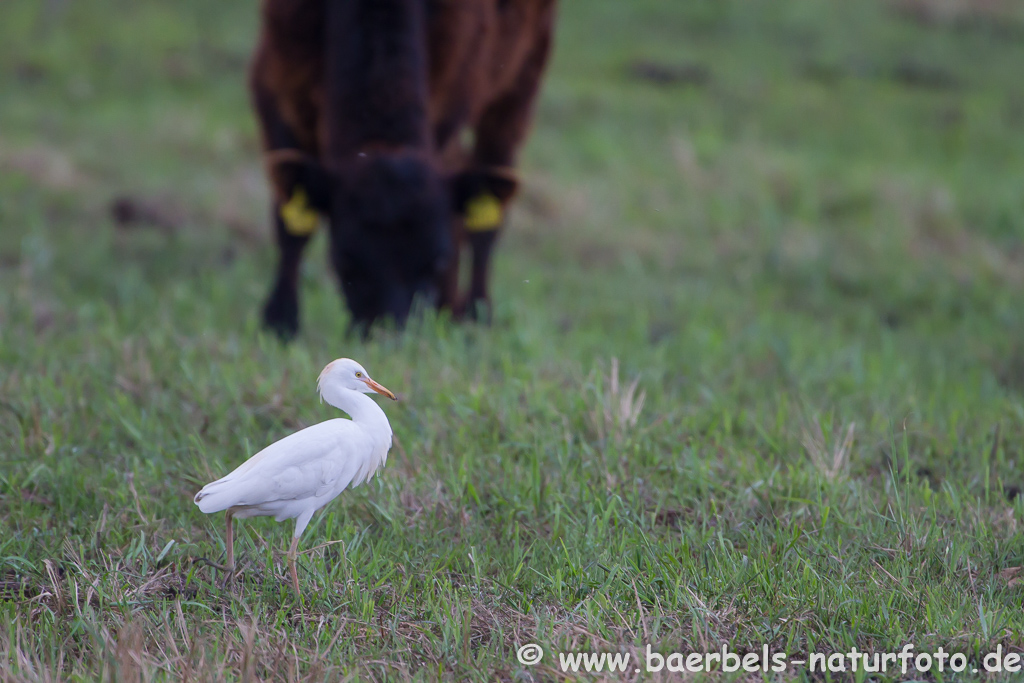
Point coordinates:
[(398, 120)]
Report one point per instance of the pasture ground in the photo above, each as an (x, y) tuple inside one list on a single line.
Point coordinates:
[(778, 222)]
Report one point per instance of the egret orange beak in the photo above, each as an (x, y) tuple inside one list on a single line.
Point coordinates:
[(380, 388)]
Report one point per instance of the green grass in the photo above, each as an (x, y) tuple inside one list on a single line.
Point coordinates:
[(828, 232)]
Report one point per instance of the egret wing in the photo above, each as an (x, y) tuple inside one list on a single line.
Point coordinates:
[(307, 464)]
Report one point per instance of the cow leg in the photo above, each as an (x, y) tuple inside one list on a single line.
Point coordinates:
[(477, 305), (452, 155), (500, 132), (449, 280), (281, 310)]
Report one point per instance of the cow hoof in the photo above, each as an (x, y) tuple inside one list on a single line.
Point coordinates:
[(475, 310), (281, 315)]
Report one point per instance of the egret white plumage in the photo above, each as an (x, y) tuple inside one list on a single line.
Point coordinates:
[(296, 476)]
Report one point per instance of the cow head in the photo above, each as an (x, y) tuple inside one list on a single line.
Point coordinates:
[(390, 234), (390, 224)]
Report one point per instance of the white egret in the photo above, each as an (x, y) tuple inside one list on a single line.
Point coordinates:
[(296, 476)]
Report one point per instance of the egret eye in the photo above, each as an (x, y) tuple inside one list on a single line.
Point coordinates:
[(359, 374)]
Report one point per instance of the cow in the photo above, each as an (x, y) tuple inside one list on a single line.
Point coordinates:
[(397, 121)]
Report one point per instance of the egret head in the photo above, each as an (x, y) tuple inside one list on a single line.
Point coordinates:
[(345, 373)]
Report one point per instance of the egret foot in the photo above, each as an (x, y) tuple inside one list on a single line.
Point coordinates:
[(229, 573)]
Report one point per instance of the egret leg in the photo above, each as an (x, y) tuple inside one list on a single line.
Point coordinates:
[(300, 525), (230, 516), (291, 565)]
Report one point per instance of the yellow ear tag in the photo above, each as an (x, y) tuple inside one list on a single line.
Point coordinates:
[(483, 212), (299, 219)]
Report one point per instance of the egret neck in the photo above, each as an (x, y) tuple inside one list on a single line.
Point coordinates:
[(364, 411)]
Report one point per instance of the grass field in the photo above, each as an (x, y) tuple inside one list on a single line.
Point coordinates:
[(750, 230)]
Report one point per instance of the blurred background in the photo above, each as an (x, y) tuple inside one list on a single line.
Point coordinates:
[(778, 217), (840, 161)]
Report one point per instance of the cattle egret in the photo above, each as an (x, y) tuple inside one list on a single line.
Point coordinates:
[(296, 476)]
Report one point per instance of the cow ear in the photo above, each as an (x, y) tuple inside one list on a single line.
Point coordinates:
[(314, 180), (467, 186)]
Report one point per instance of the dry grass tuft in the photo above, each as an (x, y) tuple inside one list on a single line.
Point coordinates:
[(832, 463), (616, 407)]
